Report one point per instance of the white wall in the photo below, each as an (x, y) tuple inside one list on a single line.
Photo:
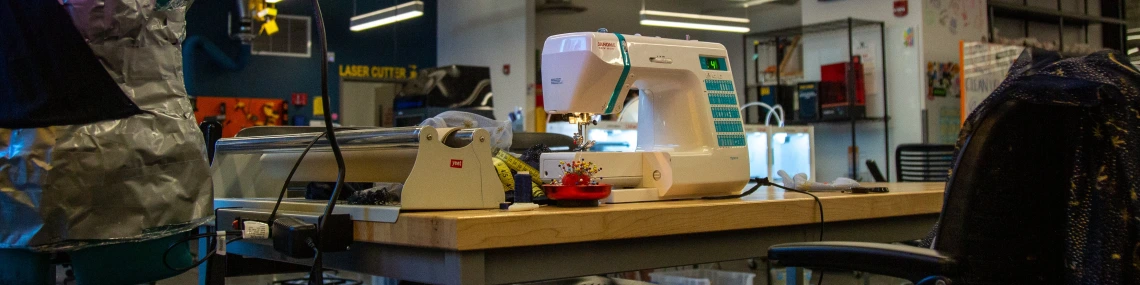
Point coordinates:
[(492, 33), (904, 82), (624, 17)]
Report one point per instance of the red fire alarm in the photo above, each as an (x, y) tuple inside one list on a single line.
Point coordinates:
[(507, 69), (300, 99), (900, 8)]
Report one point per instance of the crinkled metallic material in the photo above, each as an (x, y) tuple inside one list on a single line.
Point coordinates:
[(143, 177)]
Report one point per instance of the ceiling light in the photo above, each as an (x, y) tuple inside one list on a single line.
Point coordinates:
[(386, 16), (694, 21), (756, 2), (693, 16)]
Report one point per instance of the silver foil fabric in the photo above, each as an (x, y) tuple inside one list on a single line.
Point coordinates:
[(144, 177)]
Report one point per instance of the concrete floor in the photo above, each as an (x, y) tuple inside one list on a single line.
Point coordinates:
[(832, 278), (191, 278)]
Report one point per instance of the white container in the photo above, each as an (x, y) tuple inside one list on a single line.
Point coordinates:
[(780, 276), (702, 277)]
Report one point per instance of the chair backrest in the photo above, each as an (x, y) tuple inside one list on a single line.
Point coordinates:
[(923, 162), (1004, 212), (877, 174)]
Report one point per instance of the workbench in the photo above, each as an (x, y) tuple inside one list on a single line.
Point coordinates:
[(496, 247)]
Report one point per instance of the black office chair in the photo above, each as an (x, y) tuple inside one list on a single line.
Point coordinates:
[(1003, 217), (923, 162), (1042, 188), (877, 174)]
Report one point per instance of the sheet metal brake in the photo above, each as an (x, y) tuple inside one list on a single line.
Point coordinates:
[(440, 169)]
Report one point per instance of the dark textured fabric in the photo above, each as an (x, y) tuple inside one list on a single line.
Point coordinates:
[(1100, 223), (48, 74)]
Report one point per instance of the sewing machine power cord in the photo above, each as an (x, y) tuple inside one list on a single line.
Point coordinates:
[(763, 181)]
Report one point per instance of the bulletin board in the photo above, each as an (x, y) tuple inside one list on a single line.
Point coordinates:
[(236, 113), (943, 96), (983, 66)]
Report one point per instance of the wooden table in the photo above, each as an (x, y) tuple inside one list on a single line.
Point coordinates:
[(494, 247)]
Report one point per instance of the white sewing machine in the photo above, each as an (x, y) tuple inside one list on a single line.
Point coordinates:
[(690, 138)]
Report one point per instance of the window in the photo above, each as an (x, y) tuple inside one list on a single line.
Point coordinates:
[(292, 39)]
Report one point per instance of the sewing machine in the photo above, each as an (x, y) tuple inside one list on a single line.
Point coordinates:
[(690, 139)]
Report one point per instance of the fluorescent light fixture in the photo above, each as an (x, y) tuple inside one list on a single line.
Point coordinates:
[(693, 21), (756, 2), (685, 25), (386, 16), (1133, 50), (693, 16), (272, 1)]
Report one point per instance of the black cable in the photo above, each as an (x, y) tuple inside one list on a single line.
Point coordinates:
[(210, 244), (821, 220), (759, 182), (289, 178), (763, 181), (315, 274), (817, 202)]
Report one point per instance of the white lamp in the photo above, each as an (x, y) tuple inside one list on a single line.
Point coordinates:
[(756, 2), (694, 21), (386, 16)]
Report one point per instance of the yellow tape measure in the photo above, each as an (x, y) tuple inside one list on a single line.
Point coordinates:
[(517, 165), (504, 174)]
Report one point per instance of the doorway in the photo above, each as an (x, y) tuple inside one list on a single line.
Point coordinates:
[(367, 103)]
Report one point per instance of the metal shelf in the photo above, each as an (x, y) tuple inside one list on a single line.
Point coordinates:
[(838, 121), (847, 25), (1013, 11), (1111, 18)]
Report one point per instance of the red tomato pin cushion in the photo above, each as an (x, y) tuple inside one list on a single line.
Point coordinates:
[(575, 179)]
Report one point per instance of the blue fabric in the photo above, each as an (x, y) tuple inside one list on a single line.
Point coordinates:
[(48, 74), (1102, 243), (130, 263), (20, 266)]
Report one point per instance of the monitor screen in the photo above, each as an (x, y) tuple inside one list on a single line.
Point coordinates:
[(713, 63)]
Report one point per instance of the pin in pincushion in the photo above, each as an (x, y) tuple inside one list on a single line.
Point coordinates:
[(578, 182)]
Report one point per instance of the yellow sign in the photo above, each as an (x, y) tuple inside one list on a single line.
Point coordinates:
[(318, 106), (378, 72)]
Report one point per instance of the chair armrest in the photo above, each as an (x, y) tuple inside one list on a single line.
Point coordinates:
[(911, 263)]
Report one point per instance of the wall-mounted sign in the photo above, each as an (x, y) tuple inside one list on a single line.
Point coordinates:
[(377, 72), (300, 99), (901, 8), (984, 66)]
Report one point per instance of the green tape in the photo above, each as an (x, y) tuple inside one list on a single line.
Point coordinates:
[(624, 74)]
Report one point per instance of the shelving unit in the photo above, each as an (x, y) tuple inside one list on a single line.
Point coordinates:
[(1114, 28), (777, 37)]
